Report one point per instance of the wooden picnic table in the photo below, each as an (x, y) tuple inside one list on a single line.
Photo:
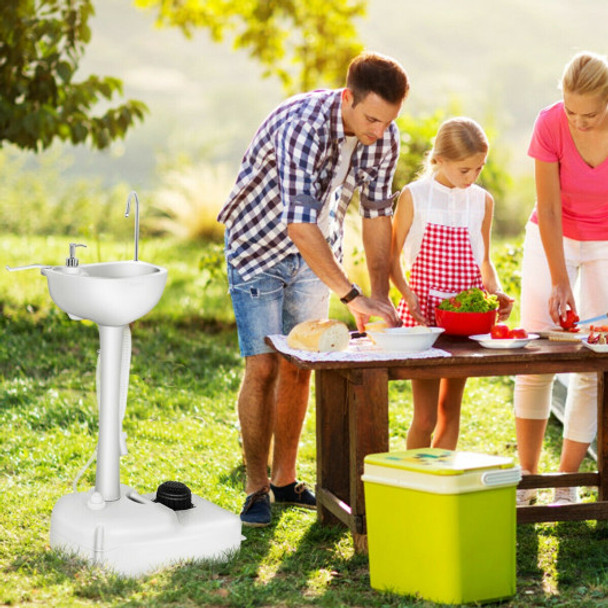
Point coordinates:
[(352, 419)]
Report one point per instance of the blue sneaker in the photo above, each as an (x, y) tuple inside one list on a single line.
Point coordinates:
[(256, 510), (296, 493)]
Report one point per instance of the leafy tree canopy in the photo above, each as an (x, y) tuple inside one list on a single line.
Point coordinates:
[(41, 43), (316, 35)]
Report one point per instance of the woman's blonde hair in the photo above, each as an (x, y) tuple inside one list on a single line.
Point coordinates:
[(457, 138), (586, 74)]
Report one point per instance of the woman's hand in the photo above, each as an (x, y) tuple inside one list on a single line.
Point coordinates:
[(560, 300)]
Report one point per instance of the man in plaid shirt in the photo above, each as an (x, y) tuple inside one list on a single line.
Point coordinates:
[(284, 228)]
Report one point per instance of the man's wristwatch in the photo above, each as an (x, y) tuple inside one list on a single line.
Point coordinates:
[(352, 294)]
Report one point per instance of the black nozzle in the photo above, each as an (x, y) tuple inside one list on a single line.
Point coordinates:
[(175, 495)]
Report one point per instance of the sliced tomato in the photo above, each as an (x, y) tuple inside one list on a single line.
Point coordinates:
[(500, 331), (519, 332)]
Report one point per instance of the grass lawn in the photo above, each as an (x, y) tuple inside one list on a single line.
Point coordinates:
[(181, 424)]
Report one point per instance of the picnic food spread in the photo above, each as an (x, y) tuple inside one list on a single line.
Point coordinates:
[(598, 334), (320, 335)]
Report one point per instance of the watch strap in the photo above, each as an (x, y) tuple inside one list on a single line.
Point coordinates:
[(352, 294)]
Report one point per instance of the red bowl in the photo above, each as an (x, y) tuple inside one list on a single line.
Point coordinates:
[(465, 323)]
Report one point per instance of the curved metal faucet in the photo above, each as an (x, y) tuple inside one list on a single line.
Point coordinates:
[(131, 195)]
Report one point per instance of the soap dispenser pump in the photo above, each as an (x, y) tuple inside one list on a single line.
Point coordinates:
[(72, 261)]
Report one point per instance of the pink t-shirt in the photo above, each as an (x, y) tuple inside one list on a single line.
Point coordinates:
[(584, 189)]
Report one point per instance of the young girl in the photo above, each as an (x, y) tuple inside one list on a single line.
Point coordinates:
[(442, 224)]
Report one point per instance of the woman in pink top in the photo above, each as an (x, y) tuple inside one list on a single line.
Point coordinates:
[(565, 253)]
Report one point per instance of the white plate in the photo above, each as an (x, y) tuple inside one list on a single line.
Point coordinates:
[(487, 341), (598, 348)]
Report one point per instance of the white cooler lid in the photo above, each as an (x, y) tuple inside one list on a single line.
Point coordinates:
[(440, 471)]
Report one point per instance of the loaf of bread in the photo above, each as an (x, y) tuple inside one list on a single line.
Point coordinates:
[(321, 335), (376, 325)]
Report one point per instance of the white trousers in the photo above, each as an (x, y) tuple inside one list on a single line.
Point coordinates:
[(587, 265)]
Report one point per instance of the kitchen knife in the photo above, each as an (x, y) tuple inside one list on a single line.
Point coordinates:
[(592, 320)]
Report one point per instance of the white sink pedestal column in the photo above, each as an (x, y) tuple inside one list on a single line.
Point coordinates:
[(107, 480)]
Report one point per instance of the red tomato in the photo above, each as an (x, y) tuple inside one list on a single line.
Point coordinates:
[(569, 322), (519, 332), (500, 331)]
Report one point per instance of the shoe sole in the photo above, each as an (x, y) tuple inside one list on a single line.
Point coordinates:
[(250, 524)]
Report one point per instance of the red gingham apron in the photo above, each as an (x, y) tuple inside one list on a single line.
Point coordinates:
[(443, 267)]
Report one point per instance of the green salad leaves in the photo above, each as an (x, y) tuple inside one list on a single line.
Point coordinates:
[(470, 300)]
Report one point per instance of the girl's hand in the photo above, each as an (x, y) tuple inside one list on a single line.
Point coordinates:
[(414, 307), (505, 305)]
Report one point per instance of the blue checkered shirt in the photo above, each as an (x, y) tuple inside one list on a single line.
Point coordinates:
[(286, 177)]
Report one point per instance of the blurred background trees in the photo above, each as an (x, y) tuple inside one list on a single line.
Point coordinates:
[(305, 45), (41, 44), (202, 76)]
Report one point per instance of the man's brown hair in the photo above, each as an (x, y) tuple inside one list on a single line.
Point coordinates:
[(375, 73)]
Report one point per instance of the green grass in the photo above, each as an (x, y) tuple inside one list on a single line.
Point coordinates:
[(181, 424)]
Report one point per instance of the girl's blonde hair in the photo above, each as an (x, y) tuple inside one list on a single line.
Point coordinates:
[(586, 74), (457, 138)]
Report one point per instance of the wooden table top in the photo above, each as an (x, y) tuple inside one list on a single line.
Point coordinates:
[(538, 356)]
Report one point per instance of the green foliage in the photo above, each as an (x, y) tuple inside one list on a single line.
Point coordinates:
[(213, 264), (41, 200), (317, 35), (41, 44), (417, 133), (507, 258), (511, 212)]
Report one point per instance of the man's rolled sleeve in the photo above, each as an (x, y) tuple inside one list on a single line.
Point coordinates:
[(303, 209), (297, 152), (371, 209)]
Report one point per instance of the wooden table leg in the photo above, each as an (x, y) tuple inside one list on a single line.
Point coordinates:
[(333, 480), (368, 430), (352, 421)]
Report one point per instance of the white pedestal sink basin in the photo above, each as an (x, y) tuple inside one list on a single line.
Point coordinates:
[(108, 293), (111, 524)]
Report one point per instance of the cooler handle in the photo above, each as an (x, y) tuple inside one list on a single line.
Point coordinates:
[(501, 478)]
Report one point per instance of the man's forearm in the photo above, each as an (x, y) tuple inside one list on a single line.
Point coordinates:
[(377, 244)]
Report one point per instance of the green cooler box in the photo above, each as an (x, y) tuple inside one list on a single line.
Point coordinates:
[(441, 524)]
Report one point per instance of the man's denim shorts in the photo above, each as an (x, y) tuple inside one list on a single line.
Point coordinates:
[(274, 301)]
